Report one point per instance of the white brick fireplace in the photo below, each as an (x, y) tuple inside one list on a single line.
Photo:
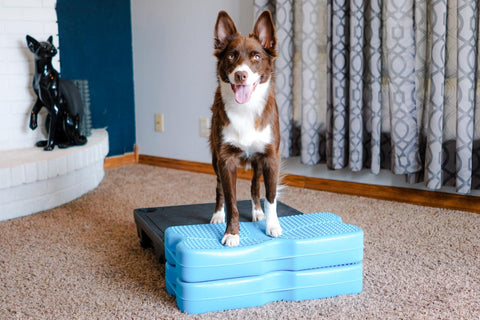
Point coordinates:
[(31, 179)]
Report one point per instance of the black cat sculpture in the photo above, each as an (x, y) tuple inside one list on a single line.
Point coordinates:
[(59, 96)]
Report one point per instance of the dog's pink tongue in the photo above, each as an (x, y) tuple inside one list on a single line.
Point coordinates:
[(242, 93)]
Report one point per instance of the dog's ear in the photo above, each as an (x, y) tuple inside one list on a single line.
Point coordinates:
[(264, 31), (225, 31), (32, 44), (50, 39)]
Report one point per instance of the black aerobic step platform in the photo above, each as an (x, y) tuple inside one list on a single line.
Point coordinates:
[(152, 222)]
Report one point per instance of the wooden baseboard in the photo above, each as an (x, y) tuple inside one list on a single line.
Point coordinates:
[(405, 195), (188, 165), (118, 161)]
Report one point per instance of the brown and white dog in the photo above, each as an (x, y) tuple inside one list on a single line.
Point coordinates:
[(245, 126)]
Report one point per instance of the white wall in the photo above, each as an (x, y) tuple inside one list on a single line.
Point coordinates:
[(17, 19), (174, 71)]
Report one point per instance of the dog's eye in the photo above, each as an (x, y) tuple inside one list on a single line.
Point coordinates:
[(257, 57), (231, 56)]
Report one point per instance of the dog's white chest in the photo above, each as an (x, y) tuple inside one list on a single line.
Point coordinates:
[(242, 134), (241, 131)]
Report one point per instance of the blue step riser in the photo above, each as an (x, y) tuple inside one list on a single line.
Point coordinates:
[(317, 256), (257, 291)]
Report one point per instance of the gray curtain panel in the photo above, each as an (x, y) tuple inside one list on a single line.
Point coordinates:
[(390, 84), (283, 15)]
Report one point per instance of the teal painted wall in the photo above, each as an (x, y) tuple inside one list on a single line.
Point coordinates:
[(95, 42)]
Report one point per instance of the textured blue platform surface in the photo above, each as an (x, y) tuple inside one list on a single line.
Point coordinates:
[(209, 296), (314, 240), (317, 256)]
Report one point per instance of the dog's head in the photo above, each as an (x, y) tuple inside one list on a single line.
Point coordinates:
[(244, 62), (42, 50)]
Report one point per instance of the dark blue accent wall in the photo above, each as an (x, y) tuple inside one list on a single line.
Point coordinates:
[(96, 44)]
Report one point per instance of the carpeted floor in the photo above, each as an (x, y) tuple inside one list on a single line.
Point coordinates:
[(83, 260)]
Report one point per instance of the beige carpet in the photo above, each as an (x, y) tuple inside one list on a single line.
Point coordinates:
[(83, 260)]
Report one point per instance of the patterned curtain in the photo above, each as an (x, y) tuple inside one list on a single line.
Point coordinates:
[(372, 84)]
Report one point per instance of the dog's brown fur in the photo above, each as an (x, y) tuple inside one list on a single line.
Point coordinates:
[(231, 50)]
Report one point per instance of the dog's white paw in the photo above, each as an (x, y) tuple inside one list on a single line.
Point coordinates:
[(218, 217), (273, 228), (257, 215), (231, 240)]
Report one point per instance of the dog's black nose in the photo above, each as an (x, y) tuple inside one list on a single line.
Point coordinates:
[(241, 76)]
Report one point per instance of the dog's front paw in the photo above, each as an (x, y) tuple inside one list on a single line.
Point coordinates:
[(273, 228), (218, 217), (231, 240), (257, 215)]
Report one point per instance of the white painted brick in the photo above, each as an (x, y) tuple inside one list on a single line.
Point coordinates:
[(31, 174), (16, 143), (14, 125), (18, 105), (51, 28), (5, 109), (20, 92), (4, 81), (23, 27), (62, 182), (5, 178), (18, 18), (10, 123), (15, 67), (42, 170), (22, 3), (98, 153), (82, 157), (19, 80), (63, 196), (20, 208), (53, 168), (90, 156), (7, 14), (76, 161), (18, 53), (71, 162), (24, 192), (11, 210), (62, 166), (49, 4), (6, 144), (39, 14), (44, 194), (15, 133), (10, 41), (18, 175)]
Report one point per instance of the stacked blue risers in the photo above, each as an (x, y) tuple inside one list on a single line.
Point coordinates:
[(317, 256)]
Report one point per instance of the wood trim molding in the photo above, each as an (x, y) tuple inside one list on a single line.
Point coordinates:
[(188, 165), (412, 196), (118, 161)]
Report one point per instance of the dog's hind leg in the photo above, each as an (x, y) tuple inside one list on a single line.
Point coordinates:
[(271, 175), (219, 213), (257, 212)]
